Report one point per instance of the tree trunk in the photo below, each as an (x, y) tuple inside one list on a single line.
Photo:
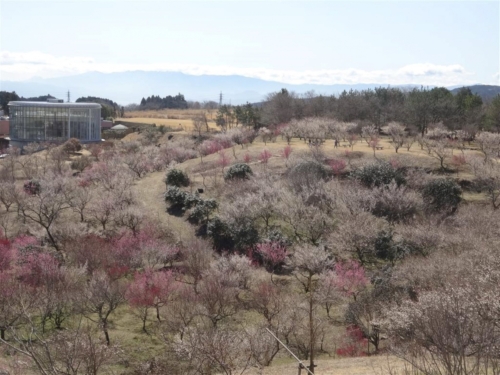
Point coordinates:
[(311, 326), (52, 240), (158, 313), (106, 333)]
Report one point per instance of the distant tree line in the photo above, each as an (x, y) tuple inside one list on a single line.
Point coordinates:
[(6, 97), (416, 108), (109, 107), (156, 102)]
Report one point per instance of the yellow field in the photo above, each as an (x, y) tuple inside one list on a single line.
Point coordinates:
[(185, 124), (173, 118), (170, 113)]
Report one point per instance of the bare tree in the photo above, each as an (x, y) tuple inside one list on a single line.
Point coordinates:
[(76, 351), (308, 262), (200, 122), (101, 298), (398, 135), (45, 207), (197, 257), (82, 196), (216, 350), (487, 178), (489, 144), (440, 150), (368, 133)]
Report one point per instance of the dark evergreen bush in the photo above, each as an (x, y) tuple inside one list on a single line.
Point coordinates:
[(219, 233), (307, 173), (202, 211), (379, 174), (240, 171), (177, 199), (32, 187), (237, 236), (442, 195), (176, 177)]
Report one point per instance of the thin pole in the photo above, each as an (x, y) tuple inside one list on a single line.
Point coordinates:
[(289, 351)]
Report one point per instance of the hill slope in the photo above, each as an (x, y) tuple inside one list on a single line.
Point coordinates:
[(486, 92)]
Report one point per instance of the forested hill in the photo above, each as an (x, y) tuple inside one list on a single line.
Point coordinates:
[(109, 107), (486, 92), (156, 102)]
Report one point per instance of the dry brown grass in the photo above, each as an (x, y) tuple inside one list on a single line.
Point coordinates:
[(374, 365), (149, 192), (173, 118)]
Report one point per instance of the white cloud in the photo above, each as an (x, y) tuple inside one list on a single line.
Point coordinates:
[(496, 79), (16, 66)]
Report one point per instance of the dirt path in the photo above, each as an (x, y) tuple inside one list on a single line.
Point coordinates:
[(149, 191)]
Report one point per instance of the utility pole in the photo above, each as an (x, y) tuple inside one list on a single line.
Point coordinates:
[(68, 96), (220, 99), (310, 371)]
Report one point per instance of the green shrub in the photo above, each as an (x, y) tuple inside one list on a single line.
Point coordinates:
[(181, 201), (379, 174), (81, 163), (307, 173), (238, 171), (245, 234), (202, 210), (72, 145), (176, 198), (442, 195), (239, 235), (219, 233), (176, 177)]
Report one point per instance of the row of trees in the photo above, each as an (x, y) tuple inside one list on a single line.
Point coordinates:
[(418, 108), (108, 107), (169, 101), (6, 97)]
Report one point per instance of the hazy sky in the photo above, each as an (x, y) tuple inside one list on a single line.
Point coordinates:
[(427, 42)]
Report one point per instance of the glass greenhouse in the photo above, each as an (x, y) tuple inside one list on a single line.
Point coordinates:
[(54, 122)]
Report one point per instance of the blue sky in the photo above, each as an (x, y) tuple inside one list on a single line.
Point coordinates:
[(395, 42)]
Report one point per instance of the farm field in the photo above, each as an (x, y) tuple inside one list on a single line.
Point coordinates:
[(173, 118)]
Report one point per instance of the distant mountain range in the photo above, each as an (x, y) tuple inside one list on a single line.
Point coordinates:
[(132, 86)]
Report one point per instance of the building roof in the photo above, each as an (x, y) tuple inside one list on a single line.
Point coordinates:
[(54, 105), (119, 127)]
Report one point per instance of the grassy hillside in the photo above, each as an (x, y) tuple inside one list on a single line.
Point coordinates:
[(131, 174)]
